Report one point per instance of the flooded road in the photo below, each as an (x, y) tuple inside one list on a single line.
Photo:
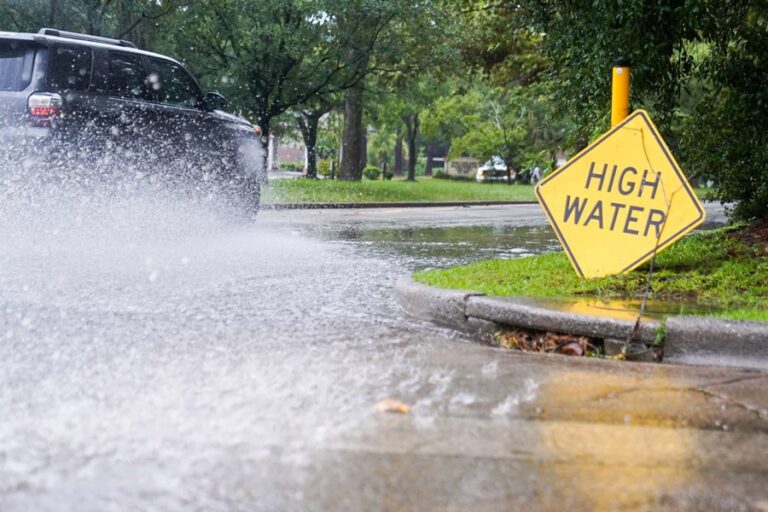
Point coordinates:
[(157, 357)]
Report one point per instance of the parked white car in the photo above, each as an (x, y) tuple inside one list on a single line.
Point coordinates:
[(493, 170)]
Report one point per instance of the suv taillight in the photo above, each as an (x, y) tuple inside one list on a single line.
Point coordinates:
[(43, 108)]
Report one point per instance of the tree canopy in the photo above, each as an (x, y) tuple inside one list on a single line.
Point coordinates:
[(517, 79)]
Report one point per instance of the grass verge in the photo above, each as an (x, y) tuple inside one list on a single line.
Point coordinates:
[(366, 191), (721, 269)]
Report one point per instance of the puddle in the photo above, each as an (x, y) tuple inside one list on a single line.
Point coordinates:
[(623, 309), (440, 247)]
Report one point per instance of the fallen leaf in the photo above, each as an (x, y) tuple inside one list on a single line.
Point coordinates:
[(393, 406), (571, 349)]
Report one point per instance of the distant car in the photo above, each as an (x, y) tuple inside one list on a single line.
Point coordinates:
[(68, 93), (493, 170)]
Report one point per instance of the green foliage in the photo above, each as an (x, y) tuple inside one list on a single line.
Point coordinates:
[(517, 123), (442, 175), (714, 269), (324, 168), (697, 66), (292, 166), (329, 135), (725, 140), (144, 22), (515, 79), (372, 172), (583, 39), (381, 144)]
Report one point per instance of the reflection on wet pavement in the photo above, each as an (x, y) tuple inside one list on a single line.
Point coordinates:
[(435, 247), (622, 309)]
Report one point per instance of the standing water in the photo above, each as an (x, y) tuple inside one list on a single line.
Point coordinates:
[(157, 356)]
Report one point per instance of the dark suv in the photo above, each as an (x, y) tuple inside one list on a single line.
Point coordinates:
[(68, 94)]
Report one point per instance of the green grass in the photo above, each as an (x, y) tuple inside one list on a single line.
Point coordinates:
[(423, 190), (713, 269)]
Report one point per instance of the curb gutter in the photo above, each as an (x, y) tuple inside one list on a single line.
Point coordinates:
[(691, 340)]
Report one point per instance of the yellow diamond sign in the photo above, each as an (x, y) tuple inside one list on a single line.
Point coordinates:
[(619, 200)]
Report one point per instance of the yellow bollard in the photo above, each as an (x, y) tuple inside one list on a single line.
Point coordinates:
[(619, 91)]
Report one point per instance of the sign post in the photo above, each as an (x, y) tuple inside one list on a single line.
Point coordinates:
[(620, 80)]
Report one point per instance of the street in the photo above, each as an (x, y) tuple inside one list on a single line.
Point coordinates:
[(158, 357)]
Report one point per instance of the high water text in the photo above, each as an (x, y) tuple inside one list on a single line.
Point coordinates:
[(621, 213)]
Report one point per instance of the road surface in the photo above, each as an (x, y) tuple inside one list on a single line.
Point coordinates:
[(157, 357)]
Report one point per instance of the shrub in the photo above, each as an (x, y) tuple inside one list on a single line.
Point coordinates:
[(324, 167), (371, 172), (442, 175), (388, 175), (292, 166)]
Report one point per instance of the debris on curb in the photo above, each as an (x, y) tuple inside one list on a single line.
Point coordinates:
[(527, 340)]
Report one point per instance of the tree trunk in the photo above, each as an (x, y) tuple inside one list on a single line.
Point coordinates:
[(398, 168), (262, 174), (93, 17), (353, 132), (430, 150), (273, 162), (412, 127), (54, 14), (308, 126), (508, 163), (124, 20), (364, 148)]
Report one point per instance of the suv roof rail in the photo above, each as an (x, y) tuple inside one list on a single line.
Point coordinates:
[(85, 37)]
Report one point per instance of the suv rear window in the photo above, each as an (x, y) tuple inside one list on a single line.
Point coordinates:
[(15, 65), (69, 68)]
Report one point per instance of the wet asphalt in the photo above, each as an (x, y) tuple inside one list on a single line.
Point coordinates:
[(156, 356)]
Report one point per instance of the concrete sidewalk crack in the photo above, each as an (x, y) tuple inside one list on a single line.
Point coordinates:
[(734, 381), (759, 413)]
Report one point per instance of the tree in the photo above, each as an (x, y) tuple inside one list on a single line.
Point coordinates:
[(413, 98), (725, 138), (269, 56), (515, 123), (362, 24), (308, 120), (413, 41), (719, 45), (120, 19), (582, 39)]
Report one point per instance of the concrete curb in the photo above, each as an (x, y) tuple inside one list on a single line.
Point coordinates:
[(689, 340), (520, 312), (441, 306), (476, 314), (412, 204), (714, 341)]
